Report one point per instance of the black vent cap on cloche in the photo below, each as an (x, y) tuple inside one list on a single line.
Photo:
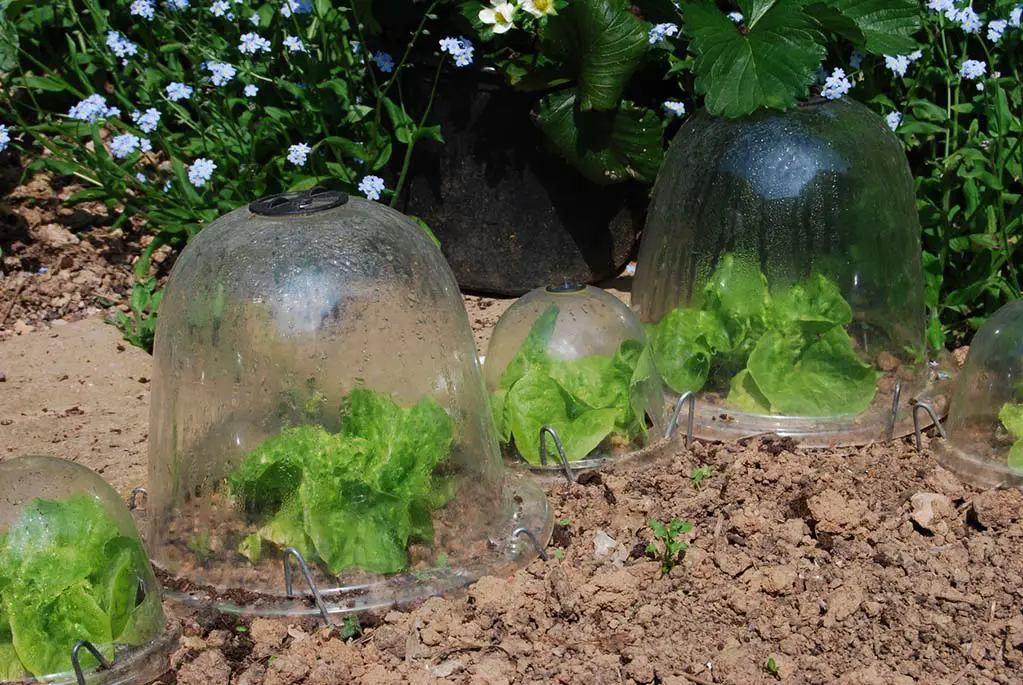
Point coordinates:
[(298, 203)]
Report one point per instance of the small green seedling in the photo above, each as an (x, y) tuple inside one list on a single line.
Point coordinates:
[(350, 628), (200, 547), (669, 537), (700, 473), (559, 553), (565, 522), (771, 666)]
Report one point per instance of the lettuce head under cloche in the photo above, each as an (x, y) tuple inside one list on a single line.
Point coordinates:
[(984, 431), (72, 568), (317, 394), (780, 278), (572, 358)]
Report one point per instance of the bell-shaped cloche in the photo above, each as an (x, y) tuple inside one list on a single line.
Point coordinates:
[(984, 431), (780, 275), (573, 359), (317, 398), (75, 583)]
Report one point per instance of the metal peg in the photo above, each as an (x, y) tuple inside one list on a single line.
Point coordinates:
[(917, 406), (536, 543), (544, 432), (133, 499), (896, 396), (75, 663), (673, 424), (288, 589)]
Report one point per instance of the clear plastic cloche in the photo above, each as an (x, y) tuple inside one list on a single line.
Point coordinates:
[(74, 581), (984, 431), (573, 359), (780, 276), (317, 403)]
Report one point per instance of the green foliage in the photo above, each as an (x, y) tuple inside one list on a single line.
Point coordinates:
[(771, 666), (67, 573), (353, 499), (585, 400), (670, 546), (963, 140), (787, 354), (1011, 416), (329, 96), (699, 474), (139, 329), (350, 628)]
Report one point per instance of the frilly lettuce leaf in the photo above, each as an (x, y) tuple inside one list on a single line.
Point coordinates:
[(68, 574), (584, 400), (1011, 416), (354, 499), (820, 376)]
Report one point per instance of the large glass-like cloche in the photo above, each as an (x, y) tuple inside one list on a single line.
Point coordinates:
[(317, 397), (780, 275), (573, 359), (72, 570), (984, 430)]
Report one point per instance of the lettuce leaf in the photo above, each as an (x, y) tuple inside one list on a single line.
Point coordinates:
[(786, 354), (68, 574), (1011, 416), (353, 499), (806, 376), (585, 400), (11, 667)]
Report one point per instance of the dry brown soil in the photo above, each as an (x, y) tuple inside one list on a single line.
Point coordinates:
[(857, 566)]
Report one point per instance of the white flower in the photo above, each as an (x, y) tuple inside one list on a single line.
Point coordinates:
[(252, 43), (736, 17), (140, 177), (898, 64), (148, 120), (178, 91), (5, 137), (856, 59), (674, 108), (893, 119), (143, 8), (294, 44), (539, 8), (500, 16), (371, 187), (251, 90), (836, 85), (941, 6), (254, 19), (980, 86), (972, 69), (968, 20), (201, 172), (1016, 16), (92, 109), (662, 31), (460, 48), (298, 154), (995, 29), (220, 8)]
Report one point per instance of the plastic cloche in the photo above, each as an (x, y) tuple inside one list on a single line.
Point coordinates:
[(317, 398), (781, 265), (72, 568), (572, 358), (984, 442)]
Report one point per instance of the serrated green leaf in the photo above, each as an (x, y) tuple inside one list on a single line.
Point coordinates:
[(770, 64), (603, 43), (606, 147), (887, 25)]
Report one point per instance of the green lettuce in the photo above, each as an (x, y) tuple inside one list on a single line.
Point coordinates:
[(1011, 416), (585, 400), (67, 573), (352, 499), (787, 354)]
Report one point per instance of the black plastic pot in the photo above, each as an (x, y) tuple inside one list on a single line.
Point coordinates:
[(510, 214)]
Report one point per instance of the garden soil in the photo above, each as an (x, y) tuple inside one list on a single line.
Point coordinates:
[(860, 566)]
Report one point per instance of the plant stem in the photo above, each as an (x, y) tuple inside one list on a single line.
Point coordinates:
[(412, 143)]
